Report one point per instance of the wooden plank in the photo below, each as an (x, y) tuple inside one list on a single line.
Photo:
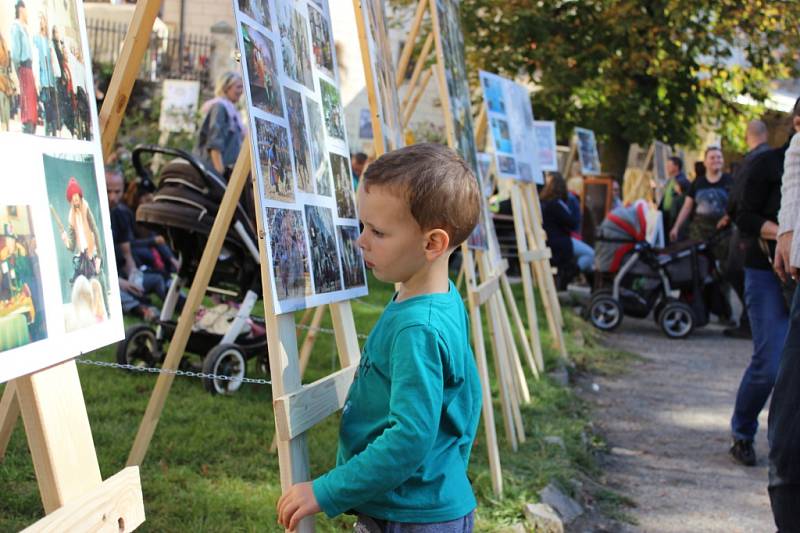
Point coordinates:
[(408, 111), (536, 255), (481, 128), (370, 76), (113, 506), (177, 345), (311, 337), (344, 328), (533, 348), (59, 435), (299, 411), (411, 39), (9, 413), (487, 289), (424, 55), (120, 87), (514, 362), (479, 349)]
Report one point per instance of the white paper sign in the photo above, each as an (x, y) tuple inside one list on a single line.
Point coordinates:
[(179, 105)]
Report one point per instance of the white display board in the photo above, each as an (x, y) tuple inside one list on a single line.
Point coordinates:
[(59, 295), (546, 147), (302, 162), (587, 152), (510, 117), (179, 106)]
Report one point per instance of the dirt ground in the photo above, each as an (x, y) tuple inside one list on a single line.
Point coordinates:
[(667, 424)]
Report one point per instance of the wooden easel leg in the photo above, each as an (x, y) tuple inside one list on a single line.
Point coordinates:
[(537, 348), (177, 345), (515, 363), (411, 39), (9, 413), (59, 435), (311, 338)]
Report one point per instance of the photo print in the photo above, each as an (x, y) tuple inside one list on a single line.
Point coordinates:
[(75, 215), (587, 152), (257, 10), (273, 156), (332, 110), (493, 93), (502, 135), (289, 253), (506, 164), (294, 43), (546, 147), (365, 124), (321, 42), (352, 259), (262, 71), (22, 312), (300, 148), (324, 260), (319, 158), (45, 80), (343, 184)]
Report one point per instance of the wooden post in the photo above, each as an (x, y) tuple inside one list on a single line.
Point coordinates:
[(418, 68), (411, 39), (184, 328), (9, 413), (408, 111)]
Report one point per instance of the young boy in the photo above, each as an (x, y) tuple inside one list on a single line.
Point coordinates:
[(412, 411)]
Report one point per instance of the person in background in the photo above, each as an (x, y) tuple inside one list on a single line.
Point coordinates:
[(756, 211), (357, 164), (616, 195), (222, 131), (583, 253), (674, 191), (558, 223), (784, 411)]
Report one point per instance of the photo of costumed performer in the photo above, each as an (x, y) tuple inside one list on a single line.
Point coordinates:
[(21, 57)]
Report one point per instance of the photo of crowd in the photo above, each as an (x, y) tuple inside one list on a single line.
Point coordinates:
[(294, 44), (343, 184), (22, 314), (257, 10), (273, 156), (324, 260), (352, 260), (321, 41), (322, 179), (44, 88), (262, 71), (289, 252), (80, 241), (300, 148), (332, 109)]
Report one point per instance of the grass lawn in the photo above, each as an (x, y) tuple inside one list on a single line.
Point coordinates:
[(209, 467)]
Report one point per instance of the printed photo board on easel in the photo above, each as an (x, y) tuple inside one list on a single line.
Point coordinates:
[(59, 295), (510, 117), (458, 112), (587, 152), (546, 147), (301, 156), (379, 73)]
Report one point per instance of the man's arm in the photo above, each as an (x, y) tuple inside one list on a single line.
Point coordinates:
[(686, 210)]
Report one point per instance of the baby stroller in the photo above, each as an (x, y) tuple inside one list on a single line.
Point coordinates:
[(633, 278), (183, 210)]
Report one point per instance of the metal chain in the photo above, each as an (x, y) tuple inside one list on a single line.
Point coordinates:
[(183, 373)]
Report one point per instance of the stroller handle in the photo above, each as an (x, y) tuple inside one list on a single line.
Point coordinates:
[(143, 171)]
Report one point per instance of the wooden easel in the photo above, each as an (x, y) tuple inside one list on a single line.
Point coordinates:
[(51, 401)]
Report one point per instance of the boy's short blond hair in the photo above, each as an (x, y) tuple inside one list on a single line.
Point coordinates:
[(441, 190)]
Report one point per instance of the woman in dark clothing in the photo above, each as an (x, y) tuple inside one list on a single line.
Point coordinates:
[(558, 222)]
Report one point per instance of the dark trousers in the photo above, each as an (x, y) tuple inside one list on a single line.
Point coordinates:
[(734, 273), (785, 501)]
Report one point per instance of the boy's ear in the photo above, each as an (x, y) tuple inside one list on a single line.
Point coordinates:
[(437, 243)]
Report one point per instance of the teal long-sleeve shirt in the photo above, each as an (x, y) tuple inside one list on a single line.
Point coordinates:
[(410, 418)]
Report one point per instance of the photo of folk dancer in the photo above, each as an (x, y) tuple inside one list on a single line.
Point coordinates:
[(324, 259), (276, 167), (294, 44), (257, 10), (262, 71), (300, 148), (289, 253), (343, 184), (332, 109), (352, 259), (322, 179), (321, 42)]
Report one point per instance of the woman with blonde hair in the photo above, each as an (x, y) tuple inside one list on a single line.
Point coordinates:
[(222, 131)]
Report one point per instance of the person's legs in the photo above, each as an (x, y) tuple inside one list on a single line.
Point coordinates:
[(465, 524), (153, 283), (583, 254), (769, 322)]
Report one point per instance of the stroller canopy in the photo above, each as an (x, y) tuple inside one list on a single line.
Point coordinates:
[(617, 235)]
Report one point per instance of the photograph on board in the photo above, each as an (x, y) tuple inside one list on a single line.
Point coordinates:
[(587, 152), (258, 10), (343, 185), (44, 85), (506, 165), (289, 253), (273, 157), (294, 43), (300, 148), (352, 260), (501, 135), (75, 214), (493, 93), (22, 313), (332, 110), (319, 154), (322, 239), (546, 147), (262, 71), (365, 124), (321, 41)]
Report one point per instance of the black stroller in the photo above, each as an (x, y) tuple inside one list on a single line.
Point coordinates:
[(633, 278), (183, 210)]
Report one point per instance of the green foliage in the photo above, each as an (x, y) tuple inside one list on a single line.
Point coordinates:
[(637, 71)]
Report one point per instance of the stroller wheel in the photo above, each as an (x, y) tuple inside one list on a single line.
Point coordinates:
[(676, 320), (224, 360), (139, 348), (605, 312)]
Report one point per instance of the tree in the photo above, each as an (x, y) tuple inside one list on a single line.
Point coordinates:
[(634, 70)]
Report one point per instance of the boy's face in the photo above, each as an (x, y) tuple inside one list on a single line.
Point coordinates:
[(392, 241)]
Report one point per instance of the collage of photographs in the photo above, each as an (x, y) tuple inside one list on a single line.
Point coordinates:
[(511, 124), (58, 290), (303, 166), (546, 147), (587, 152)]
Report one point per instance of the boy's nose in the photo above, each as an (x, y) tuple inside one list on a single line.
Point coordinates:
[(360, 241)]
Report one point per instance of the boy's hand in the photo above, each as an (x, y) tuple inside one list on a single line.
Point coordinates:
[(296, 504)]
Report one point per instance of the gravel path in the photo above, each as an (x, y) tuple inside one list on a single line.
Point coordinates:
[(667, 424)]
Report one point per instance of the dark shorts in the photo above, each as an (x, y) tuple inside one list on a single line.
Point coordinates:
[(366, 524)]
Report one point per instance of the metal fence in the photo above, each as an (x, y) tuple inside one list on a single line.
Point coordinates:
[(167, 57)]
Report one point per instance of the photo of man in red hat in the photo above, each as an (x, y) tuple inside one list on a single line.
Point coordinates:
[(80, 236)]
